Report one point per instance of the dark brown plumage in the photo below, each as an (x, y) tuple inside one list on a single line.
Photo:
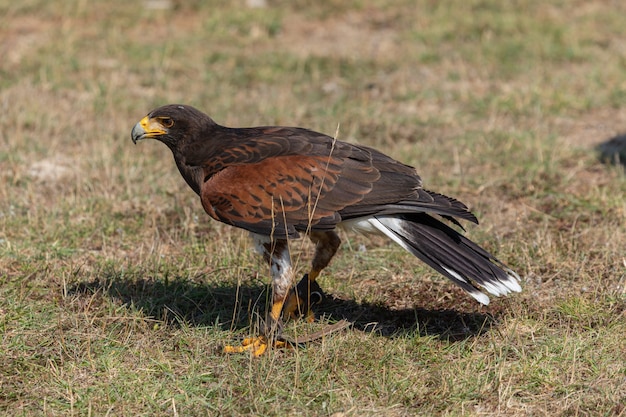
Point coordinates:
[(279, 182)]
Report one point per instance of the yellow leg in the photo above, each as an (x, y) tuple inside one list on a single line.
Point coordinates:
[(277, 307), (313, 274), (300, 299), (259, 344), (308, 291), (309, 316)]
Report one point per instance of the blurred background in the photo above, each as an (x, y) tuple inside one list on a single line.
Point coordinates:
[(116, 288)]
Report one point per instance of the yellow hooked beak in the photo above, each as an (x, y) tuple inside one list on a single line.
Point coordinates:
[(148, 128)]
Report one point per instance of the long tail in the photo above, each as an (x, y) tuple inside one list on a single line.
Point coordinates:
[(449, 253)]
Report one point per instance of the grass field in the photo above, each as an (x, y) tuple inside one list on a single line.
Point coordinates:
[(117, 291)]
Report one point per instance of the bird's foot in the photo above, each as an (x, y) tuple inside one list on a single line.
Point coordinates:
[(301, 298), (256, 345), (271, 331), (298, 303)]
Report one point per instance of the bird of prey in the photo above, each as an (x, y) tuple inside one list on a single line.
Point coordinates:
[(281, 182)]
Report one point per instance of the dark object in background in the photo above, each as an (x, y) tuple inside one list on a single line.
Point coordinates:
[(613, 151)]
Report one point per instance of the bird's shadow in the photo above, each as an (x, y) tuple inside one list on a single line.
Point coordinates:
[(230, 307)]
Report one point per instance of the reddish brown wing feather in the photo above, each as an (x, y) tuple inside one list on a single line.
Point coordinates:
[(284, 180), (287, 194)]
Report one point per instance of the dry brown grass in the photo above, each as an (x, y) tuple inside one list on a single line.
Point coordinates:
[(117, 291)]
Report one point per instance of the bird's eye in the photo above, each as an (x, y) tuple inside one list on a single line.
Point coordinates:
[(167, 122)]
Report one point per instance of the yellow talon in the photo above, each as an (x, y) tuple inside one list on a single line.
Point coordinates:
[(257, 345)]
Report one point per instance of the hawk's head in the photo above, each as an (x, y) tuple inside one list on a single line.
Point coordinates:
[(173, 124)]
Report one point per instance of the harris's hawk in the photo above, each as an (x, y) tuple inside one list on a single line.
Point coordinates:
[(280, 182)]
